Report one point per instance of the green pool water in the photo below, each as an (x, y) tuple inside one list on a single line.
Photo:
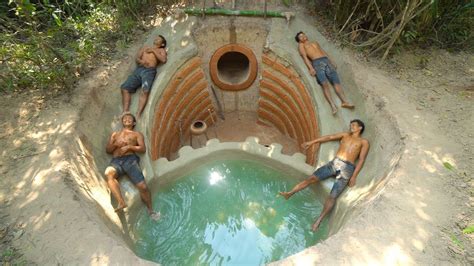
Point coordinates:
[(227, 212)]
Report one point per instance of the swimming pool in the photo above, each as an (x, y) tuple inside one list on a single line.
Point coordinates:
[(227, 212)]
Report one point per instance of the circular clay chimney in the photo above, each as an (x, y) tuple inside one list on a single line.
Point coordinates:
[(233, 67)]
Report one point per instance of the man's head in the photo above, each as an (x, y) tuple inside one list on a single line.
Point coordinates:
[(357, 126), (300, 36), (160, 41), (128, 120)]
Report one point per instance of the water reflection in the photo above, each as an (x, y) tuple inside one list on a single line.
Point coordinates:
[(215, 177)]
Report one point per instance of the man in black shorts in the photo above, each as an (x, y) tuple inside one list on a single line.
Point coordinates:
[(123, 145)]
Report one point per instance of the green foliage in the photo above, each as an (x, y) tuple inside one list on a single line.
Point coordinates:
[(9, 256), (287, 3), (449, 23), (448, 166), (7, 253), (49, 44), (468, 230), (456, 241), (378, 26), (409, 36)]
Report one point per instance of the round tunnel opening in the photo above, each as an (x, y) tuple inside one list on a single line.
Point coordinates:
[(233, 67)]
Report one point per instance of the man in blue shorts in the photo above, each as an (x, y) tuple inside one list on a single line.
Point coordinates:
[(148, 58), (123, 145), (343, 167), (320, 65)]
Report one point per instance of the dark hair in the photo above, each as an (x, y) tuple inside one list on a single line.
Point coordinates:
[(296, 37), (163, 44), (360, 123), (130, 114)]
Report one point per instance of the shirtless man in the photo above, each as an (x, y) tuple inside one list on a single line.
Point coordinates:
[(323, 68), (342, 167), (148, 58), (123, 145)]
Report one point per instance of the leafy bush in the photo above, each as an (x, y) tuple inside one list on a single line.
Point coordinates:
[(48, 45), (378, 26)]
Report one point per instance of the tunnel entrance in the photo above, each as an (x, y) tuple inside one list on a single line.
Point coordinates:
[(233, 67)]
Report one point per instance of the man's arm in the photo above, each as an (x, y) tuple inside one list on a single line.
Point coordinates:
[(140, 147), (322, 139), (308, 64), (363, 154), (139, 56), (141, 143), (110, 148), (160, 54)]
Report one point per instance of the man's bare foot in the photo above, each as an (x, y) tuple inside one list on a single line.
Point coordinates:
[(334, 110), (347, 105), (315, 226), (155, 216), (286, 195), (120, 207)]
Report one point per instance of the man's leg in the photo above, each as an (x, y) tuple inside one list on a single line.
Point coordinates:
[(301, 185), (322, 79), (328, 204), (126, 98), (114, 187), (142, 102), (327, 95), (342, 96), (145, 195), (336, 190)]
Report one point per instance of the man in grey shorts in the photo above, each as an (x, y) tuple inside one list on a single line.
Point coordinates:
[(352, 147), (123, 145), (148, 58)]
